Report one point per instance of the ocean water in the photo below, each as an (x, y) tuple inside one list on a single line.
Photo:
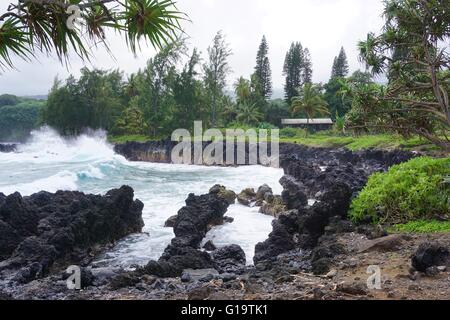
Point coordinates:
[(89, 164)]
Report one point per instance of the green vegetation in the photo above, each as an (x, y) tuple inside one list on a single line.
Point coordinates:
[(18, 116), (50, 26), (129, 138), (177, 87), (423, 226), (354, 143), (414, 190), (409, 51)]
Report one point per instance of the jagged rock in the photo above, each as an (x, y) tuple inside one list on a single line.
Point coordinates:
[(209, 246), (339, 225), (280, 239), (430, 254), (228, 219), (229, 259), (247, 196), (293, 194), (223, 192), (263, 192), (7, 147), (197, 217), (63, 227), (170, 223), (274, 207)]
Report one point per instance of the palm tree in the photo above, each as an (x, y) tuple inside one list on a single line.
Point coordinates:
[(310, 102), (242, 89), (248, 113)]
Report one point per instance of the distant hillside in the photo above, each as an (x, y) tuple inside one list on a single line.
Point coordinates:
[(18, 116), (36, 97)]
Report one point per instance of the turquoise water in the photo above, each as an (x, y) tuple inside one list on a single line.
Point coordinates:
[(89, 164)]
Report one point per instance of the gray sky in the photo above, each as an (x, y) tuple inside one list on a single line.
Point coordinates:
[(321, 25)]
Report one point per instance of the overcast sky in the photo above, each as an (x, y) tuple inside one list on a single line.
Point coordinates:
[(323, 26)]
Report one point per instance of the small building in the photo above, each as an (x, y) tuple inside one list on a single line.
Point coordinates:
[(311, 124)]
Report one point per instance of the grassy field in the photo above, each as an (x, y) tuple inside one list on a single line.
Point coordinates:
[(382, 141), (327, 140)]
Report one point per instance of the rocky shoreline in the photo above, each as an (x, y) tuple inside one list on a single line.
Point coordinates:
[(313, 252)]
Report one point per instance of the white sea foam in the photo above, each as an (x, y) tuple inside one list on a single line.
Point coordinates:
[(88, 163)]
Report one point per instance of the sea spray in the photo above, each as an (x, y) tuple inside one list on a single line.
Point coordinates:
[(88, 163)]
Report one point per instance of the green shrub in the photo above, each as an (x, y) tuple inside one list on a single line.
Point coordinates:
[(413, 190)]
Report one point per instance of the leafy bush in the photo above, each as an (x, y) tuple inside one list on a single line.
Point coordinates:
[(410, 191), (292, 133)]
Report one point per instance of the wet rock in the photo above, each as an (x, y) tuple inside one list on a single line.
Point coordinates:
[(162, 269), (263, 192), (247, 196), (64, 228), (170, 223), (229, 259), (430, 254), (7, 147), (273, 207), (280, 239), (228, 219), (293, 194), (209, 246), (197, 217), (182, 258), (223, 192)]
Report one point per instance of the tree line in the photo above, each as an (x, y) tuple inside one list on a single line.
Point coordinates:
[(411, 52), (176, 88)]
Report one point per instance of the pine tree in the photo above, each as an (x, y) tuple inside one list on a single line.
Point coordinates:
[(216, 69), (307, 66), (340, 65), (292, 70), (262, 69)]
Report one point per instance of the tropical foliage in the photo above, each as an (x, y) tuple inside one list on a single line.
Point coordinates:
[(413, 190), (413, 52), (60, 26)]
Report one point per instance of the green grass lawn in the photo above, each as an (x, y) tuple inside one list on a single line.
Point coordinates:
[(381, 141), (130, 138)]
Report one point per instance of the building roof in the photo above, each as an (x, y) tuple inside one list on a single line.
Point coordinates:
[(305, 121)]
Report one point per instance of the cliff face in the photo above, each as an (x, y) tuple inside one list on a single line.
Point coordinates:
[(45, 230), (160, 152)]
